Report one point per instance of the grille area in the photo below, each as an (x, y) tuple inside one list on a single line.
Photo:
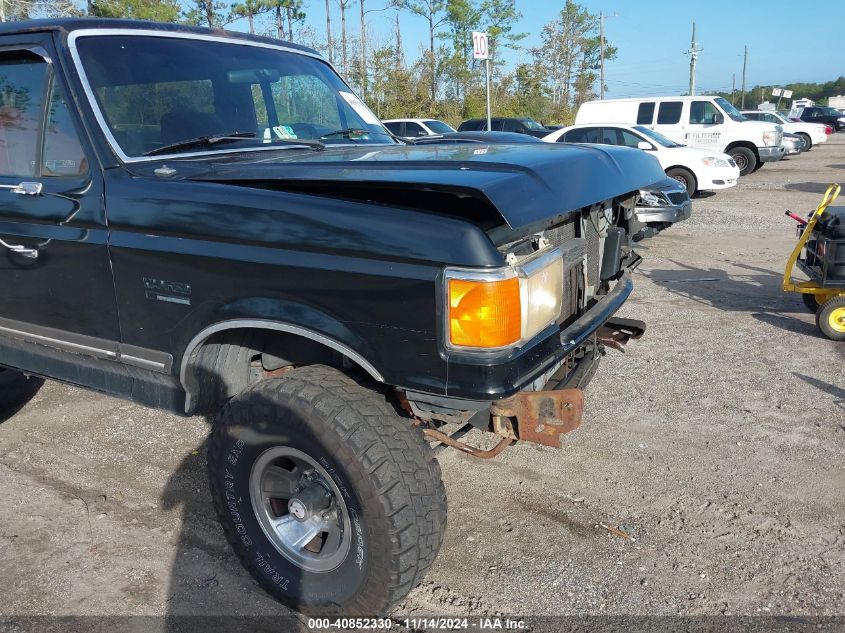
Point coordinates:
[(573, 276), (678, 197), (561, 233), (593, 243)]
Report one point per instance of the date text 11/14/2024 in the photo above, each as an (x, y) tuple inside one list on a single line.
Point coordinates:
[(431, 623)]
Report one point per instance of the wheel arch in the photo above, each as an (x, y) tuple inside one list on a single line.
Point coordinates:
[(249, 326), (684, 167), (745, 144)]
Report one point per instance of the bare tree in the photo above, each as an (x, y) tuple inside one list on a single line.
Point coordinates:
[(434, 12), (344, 59)]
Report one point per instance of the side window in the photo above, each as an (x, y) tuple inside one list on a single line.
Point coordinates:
[(23, 81), (628, 139), (670, 112), (610, 136), (582, 135), (62, 154), (645, 113), (395, 127), (702, 113), (414, 129), (509, 125)]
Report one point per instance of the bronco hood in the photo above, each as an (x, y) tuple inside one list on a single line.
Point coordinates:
[(526, 183)]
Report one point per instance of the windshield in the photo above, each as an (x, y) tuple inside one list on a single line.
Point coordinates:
[(438, 127), (731, 111), (780, 117), (531, 124), (159, 91), (656, 137)]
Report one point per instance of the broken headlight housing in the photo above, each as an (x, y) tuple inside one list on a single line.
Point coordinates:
[(505, 307)]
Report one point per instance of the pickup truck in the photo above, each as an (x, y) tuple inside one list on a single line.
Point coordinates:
[(237, 235)]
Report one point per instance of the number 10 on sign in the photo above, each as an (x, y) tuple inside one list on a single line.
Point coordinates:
[(480, 51)]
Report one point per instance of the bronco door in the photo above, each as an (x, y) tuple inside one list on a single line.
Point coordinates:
[(55, 276)]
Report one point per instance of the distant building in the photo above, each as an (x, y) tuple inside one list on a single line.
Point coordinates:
[(767, 106), (837, 102)]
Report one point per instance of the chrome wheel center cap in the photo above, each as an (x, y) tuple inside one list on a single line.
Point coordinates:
[(298, 509)]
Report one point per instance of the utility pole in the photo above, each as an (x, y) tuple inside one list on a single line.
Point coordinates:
[(601, 46), (602, 18), (733, 88), (744, 64), (693, 52), (329, 31), (362, 64)]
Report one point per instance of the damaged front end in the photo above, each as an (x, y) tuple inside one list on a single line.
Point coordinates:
[(594, 248)]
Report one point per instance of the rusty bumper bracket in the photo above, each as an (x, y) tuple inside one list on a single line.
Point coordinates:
[(616, 332), (541, 416)]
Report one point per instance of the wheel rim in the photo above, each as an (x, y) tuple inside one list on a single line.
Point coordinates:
[(300, 509), (681, 180), (836, 320), (740, 161)]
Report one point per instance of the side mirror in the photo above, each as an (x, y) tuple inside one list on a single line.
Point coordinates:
[(645, 145), (718, 118)]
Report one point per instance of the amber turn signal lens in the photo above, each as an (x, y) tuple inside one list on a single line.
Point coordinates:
[(484, 314)]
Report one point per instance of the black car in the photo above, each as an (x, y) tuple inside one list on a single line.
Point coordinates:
[(820, 114), (506, 124), (237, 235)]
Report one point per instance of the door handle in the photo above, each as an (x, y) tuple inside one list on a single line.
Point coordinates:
[(24, 251), (25, 188)]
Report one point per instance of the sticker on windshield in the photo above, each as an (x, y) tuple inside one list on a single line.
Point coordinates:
[(284, 132), (360, 108)]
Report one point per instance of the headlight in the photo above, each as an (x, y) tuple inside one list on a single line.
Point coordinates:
[(651, 199), (713, 161), (488, 310), (770, 138)]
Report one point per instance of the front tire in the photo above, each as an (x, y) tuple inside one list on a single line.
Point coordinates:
[(16, 389), (745, 159), (685, 177), (331, 500), (830, 318)]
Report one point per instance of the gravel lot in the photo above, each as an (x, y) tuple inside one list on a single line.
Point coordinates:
[(717, 443)]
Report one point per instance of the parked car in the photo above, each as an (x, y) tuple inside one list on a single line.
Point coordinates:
[(792, 144), (508, 138), (812, 133), (660, 205), (700, 121), (821, 114), (505, 124), (697, 169), (415, 128), (329, 296)]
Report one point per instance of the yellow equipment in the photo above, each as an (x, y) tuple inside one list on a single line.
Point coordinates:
[(822, 242)]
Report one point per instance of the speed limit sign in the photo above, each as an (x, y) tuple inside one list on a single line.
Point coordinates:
[(479, 45)]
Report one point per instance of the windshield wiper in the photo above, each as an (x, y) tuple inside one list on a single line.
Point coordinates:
[(351, 131), (214, 139)]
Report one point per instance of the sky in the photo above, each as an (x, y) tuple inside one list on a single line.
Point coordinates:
[(787, 42)]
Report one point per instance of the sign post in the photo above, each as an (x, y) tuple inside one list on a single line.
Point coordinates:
[(480, 51)]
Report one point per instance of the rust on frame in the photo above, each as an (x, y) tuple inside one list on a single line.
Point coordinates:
[(543, 416)]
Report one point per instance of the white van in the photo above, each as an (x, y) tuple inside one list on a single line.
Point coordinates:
[(707, 122)]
